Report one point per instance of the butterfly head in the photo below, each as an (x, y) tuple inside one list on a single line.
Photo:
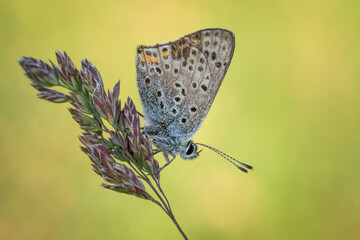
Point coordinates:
[(190, 151)]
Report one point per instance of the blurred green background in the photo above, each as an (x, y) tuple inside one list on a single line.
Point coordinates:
[(289, 106)]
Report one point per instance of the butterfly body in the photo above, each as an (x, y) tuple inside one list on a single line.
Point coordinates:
[(178, 82)]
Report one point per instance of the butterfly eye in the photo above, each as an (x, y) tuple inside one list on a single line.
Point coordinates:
[(191, 149)]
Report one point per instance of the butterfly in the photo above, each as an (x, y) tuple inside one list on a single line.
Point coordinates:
[(178, 82)]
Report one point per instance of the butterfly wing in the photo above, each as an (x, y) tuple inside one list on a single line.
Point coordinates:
[(218, 46), (178, 81)]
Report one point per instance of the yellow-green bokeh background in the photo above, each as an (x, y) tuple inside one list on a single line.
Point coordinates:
[(289, 105)]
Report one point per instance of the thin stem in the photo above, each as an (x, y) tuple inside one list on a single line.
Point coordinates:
[(147, 180), (178, 226), (165, 207), (162, 192), (159, 204), (140, 174), (169, 213)]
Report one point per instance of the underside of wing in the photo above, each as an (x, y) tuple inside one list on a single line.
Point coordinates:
[(218, 46), (178, 81)]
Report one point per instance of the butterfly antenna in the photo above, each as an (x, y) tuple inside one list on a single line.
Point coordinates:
[(229, 158)]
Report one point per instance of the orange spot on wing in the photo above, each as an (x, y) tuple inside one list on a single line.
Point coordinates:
[(156, 60), (165, 53), (149, 58), (142, 56)]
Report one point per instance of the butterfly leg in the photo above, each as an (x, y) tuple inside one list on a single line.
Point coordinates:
[(140, 114), (167, 160), (156, 151)]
